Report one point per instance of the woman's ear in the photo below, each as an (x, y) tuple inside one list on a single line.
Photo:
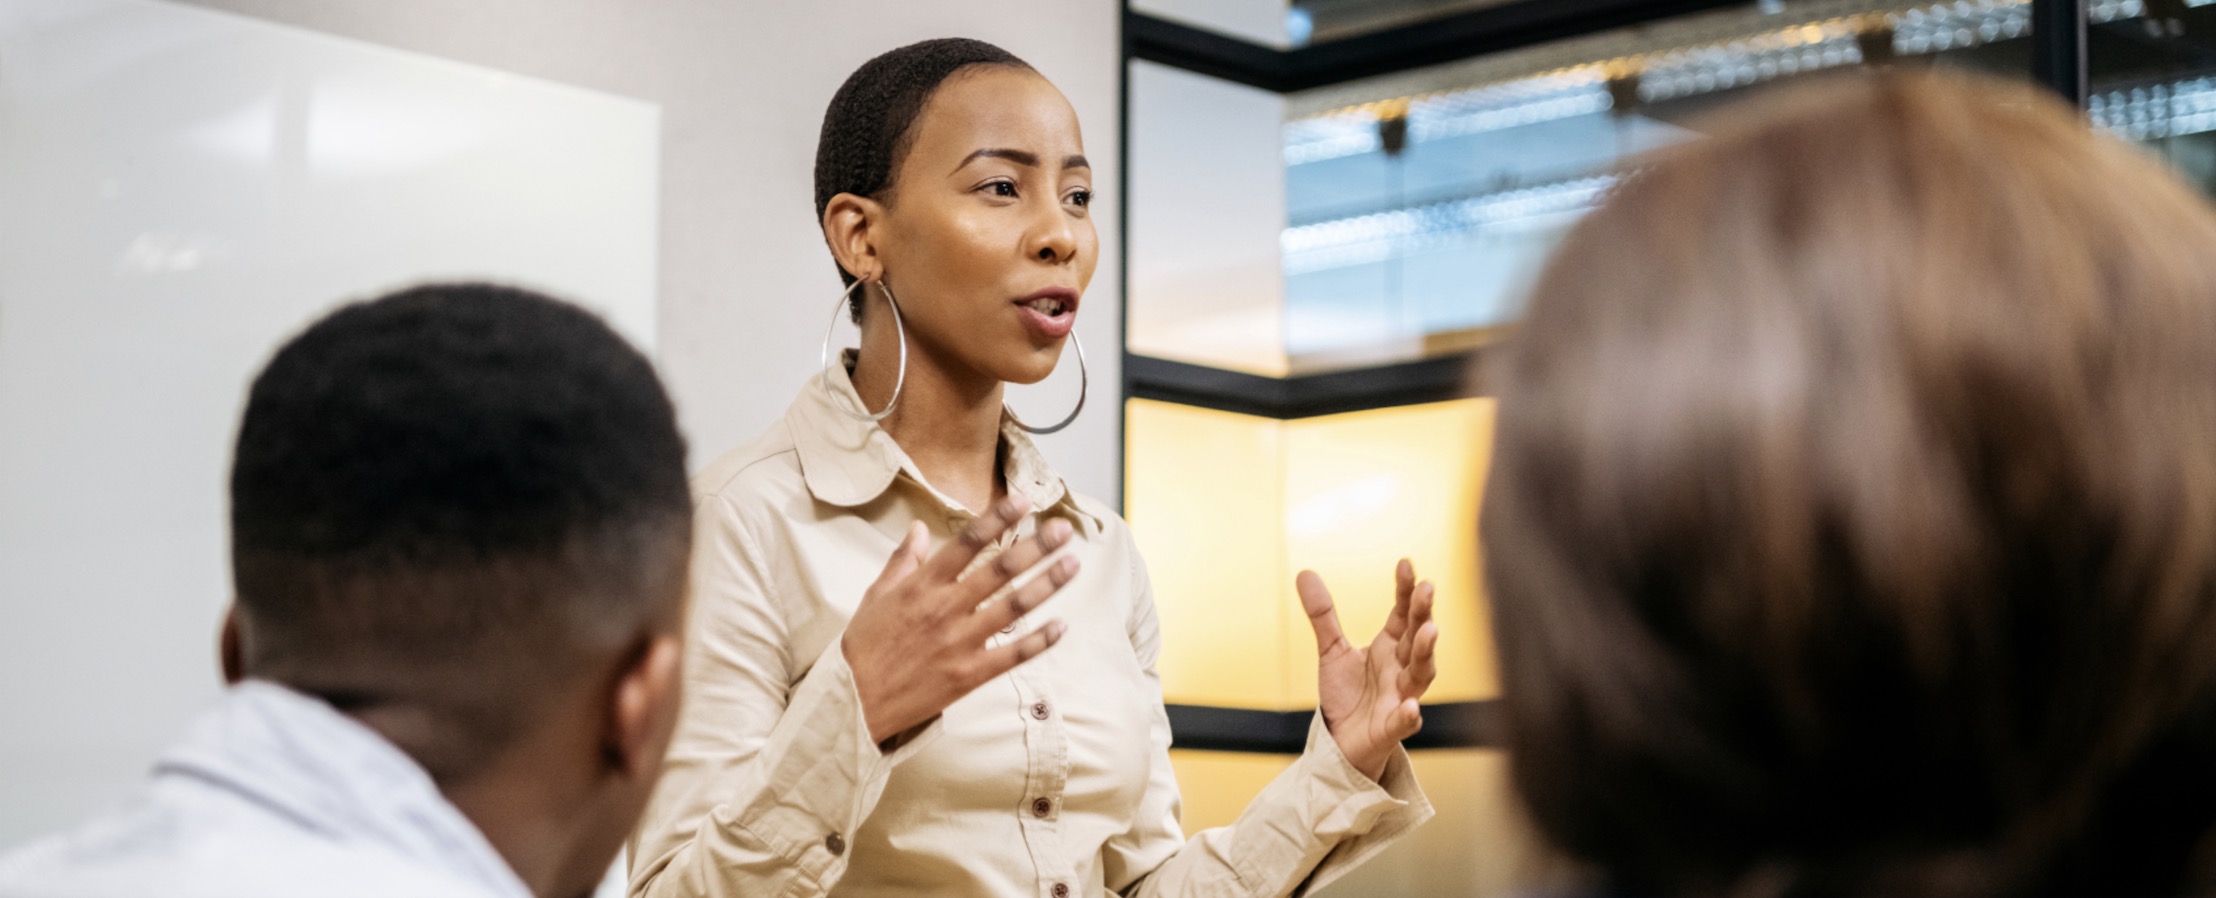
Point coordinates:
[(849, 226)]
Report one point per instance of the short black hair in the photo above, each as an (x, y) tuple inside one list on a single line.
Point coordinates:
[(871, 121), (470, 479)]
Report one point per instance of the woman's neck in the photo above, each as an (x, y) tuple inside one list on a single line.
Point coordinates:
[(948, 420)]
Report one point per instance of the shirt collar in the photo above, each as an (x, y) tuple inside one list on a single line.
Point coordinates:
[(319, 770), (848, 462)]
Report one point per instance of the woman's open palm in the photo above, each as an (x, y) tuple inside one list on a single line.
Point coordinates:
[(1370, 696)]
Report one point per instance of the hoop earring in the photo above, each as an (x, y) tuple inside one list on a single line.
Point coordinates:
[(1083, 381), (823, 362)]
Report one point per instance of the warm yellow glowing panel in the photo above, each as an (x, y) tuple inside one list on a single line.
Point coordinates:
[(1216, 785), (1203, 491), (1480, 845), (1366, 489), (1227, 507)]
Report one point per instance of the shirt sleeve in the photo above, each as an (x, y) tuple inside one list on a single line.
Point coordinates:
[(767, 777), (1318, 819)]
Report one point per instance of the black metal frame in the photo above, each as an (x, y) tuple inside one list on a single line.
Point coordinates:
[(2059, 33), (1209, 728), (1430, 42), (2059, 41), (1302, 396)]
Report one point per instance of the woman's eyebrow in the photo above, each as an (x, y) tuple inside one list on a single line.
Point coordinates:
[(1019, 157)]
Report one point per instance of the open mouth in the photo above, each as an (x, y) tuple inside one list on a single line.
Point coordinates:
[(1050, 306), (1050, 313)]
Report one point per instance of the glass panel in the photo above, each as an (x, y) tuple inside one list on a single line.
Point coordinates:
[(1322, 21), (1420, 205), (1203, 491), (1365, 489), (1225, 506), (1264, 22), (1216, 785), (2153, 73), (1478, 846), (1207, 203)]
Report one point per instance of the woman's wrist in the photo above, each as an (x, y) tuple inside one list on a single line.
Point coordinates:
[(1369, 760)]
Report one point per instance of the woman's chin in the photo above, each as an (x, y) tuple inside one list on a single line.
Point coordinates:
[(1032, 367)]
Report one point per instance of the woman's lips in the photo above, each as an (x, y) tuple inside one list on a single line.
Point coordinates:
[(1051, 327), (1050, 313)]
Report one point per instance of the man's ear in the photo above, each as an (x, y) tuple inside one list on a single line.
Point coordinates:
[(642, 709), (233, 654), (848, 223)]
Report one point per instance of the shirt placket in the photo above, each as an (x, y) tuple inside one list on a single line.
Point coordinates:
[(1046, 781), (1046, 751)]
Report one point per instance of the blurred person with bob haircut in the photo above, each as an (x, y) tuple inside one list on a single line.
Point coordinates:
[(459, 534), (1852, 528)]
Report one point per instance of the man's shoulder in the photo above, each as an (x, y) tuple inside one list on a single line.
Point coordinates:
[(154, 847)]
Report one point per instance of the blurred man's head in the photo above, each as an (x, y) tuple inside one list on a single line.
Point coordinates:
[(459, 514), (1853, 522)]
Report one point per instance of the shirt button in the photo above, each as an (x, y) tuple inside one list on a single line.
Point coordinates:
[(1061, 890), (834, 843), (1041, 711), (1041, 807)]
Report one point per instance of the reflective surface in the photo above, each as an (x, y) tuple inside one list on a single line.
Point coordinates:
[(179, 191), (1226, 508), (1418, 207), (1479, 844), (2153, 80), (1421, 205)]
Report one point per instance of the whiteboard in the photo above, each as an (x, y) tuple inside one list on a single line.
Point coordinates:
[(180, 190)]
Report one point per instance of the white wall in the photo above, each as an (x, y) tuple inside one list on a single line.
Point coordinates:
[(179, 191), (746, 285), (731, 265)]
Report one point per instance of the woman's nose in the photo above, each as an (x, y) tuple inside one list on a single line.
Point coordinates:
[(1052, 239)]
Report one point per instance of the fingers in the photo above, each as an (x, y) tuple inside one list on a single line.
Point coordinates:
[(1005, 658), (1407, 720), (1009, 565), (1423, 665), (980, 532), (1419, 613), (1004, 612), (906, 557), (1404, 583), (1323, 616)]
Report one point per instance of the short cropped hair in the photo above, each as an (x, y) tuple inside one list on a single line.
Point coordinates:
[(461, 487), (871, 121), (1852, 525)]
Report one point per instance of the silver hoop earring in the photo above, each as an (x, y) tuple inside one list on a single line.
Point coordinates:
[(1083, 381), (846, 300)]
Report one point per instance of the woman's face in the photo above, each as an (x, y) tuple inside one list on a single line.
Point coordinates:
[(987, 239)]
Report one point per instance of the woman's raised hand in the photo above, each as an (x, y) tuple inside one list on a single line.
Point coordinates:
[(917, 640), (1369, 696)]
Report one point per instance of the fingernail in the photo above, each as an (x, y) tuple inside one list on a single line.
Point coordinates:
[(1054, 630), (1067, 566)]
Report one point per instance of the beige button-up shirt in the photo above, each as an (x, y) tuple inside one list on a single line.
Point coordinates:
[(1050, 781)]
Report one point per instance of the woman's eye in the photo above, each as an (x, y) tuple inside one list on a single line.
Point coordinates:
[(1001, 188), (1081, 197)]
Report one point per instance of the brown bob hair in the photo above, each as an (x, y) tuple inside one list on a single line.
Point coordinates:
[(1852, 528)]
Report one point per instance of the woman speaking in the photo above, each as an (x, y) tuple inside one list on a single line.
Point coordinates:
[(864, 727)]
